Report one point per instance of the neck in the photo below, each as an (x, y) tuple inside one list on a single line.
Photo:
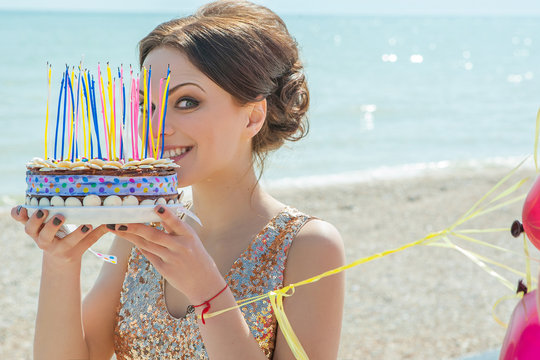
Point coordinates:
[(228, 202)]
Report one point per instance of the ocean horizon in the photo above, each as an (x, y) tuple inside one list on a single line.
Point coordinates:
[(389, 94)]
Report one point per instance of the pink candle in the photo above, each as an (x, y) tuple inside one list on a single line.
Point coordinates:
[(137, 102), (113, 125), (103, 112)]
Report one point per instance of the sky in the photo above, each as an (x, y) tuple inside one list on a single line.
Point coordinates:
[(368, 7)]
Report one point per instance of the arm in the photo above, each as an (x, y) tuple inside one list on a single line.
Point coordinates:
[(58, 332), (99, 305), (228, 333), (63, 331), (315, 310), (179, 251)]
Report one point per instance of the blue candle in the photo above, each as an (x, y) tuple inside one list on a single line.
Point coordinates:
[(58, 115), (64, 116), (148, 112), (164, 113)]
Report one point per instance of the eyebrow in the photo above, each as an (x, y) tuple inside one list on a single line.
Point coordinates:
[(179, 86)]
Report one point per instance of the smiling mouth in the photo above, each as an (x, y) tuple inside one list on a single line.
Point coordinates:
[(176, 152)]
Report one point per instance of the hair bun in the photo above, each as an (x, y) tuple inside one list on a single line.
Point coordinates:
[(294, 94)]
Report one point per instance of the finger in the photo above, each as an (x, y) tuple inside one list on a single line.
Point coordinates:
[(34, 224), (132, 235), (146, 232), (72, 238), (50, 228), (171, 222), (19, 214), (90, 236), (153, 258), (47, 233)]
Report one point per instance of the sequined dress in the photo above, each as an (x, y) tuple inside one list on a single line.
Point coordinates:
[(145, 329)]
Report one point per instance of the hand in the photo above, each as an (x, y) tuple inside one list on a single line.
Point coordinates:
[(177, 254), (65, 249)]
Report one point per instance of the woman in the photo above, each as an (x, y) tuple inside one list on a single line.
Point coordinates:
[(237, 91)]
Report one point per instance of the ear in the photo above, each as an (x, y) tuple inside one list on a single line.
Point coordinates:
[(256, 117)]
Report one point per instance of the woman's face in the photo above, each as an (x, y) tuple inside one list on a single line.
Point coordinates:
[(205, 129)]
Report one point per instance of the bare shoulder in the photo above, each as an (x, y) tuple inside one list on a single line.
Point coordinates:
[(318, 246)]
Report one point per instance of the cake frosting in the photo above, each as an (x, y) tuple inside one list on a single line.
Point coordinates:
[(98, 182)]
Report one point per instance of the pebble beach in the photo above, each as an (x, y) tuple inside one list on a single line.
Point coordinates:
[(424, 302)]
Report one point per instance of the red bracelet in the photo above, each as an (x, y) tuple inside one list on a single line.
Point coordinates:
[(207, 303)]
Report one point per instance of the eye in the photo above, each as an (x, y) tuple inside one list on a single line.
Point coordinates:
[(141, 105), (187, 103)]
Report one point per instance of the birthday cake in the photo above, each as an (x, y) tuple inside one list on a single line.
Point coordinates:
[(98, 182), (97, 167)]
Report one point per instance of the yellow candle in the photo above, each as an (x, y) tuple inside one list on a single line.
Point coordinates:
[(112, 133), (47, 112)]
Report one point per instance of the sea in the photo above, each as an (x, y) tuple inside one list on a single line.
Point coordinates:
[(390, 95)]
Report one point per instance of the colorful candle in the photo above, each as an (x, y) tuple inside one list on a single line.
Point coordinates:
[(123, 108), (47, 112), (94, 115), (164, 115), (72, 116), (112, 127), (144, 114), (77, 115), (131, 113), (159, 109), (86, 90), (138, 113), (104, 113), (64, 115), (70, 121), (58, 115), (85, 148), (149, 124)]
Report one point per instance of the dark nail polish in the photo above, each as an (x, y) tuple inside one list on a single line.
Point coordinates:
[(122, 228), (39, 214), (161, 210), (111, 226), (19, 209), (85, 229), (56, 221)]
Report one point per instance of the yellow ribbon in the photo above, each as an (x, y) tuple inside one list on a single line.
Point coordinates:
[(440, 238)]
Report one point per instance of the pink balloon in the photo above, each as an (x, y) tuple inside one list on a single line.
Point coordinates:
[(522, 340), (531, 214)]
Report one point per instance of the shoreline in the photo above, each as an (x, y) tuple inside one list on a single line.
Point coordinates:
[(363, 176), (424, 302)]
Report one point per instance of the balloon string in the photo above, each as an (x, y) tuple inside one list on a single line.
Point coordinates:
[(441, 238)]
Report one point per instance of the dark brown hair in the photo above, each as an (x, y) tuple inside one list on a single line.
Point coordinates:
[(247, 50)]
